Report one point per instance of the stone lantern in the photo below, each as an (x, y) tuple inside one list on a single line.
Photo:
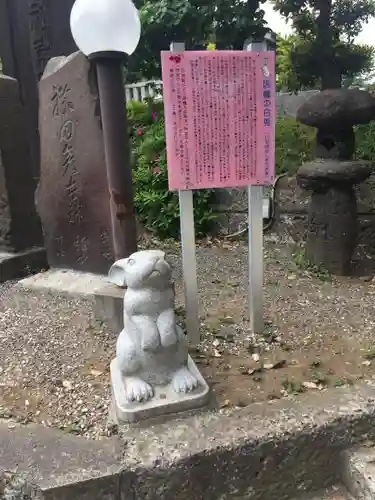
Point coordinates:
[(332, 225)]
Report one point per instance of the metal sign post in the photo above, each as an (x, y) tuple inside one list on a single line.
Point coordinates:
[(189, 261), (256, 267)]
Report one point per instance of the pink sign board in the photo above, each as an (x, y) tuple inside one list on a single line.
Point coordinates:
[(220, 118)]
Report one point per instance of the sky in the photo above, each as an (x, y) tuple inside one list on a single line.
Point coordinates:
[(278, 24)]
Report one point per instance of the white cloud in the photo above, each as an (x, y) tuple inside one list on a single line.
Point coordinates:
[(277, 23)]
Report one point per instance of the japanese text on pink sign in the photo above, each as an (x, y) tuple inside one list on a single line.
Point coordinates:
[(219, 118)]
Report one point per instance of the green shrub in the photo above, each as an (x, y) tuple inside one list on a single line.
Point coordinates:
[(294, 145), (365, 142), (157, 207)]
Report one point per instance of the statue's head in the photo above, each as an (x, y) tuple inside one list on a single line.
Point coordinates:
[(143, 269)]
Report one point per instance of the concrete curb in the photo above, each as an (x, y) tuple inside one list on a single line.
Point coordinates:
[(358, 472), (273, 451), (59, 465)]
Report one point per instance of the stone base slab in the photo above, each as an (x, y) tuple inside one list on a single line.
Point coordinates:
[(66, 281), (18, 265), (164, 402)]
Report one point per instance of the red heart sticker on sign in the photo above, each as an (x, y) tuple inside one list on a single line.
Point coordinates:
[(176, 59)]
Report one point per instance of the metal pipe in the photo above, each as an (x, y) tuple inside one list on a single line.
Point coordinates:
[(117, 152)]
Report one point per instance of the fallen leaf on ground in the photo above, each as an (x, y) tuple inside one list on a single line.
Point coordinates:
[(225, 404), (268, 366), (310, 385), (67, 384)]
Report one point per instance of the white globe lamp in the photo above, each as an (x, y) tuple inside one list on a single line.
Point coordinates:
[(107, 31), (105, 26)]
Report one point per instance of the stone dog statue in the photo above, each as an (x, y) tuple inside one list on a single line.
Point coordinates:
[(151, 349)]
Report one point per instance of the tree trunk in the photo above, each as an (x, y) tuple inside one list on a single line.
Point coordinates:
[(330, 75)]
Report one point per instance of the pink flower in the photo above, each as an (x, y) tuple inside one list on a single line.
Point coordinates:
[(154, 116), (156, 170), (139, 131)]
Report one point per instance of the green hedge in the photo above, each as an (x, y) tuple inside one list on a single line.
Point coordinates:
[(158, 208), (365, 142), (294, 145)]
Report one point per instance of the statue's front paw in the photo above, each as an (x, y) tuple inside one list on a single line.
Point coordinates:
[(184, 381), (150, 341), (168, 337), (138, 390)]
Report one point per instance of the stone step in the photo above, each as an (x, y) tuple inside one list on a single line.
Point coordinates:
[(359, 472)]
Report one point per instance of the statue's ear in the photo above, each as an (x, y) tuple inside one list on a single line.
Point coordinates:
[(117, 274)]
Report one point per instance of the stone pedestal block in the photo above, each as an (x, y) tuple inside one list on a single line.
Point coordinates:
[(108, 306), (164, 402), (332, 234), (333, 224), (18, 265)]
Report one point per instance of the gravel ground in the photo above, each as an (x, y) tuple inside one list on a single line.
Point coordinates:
[(54, 358), (54, 362)]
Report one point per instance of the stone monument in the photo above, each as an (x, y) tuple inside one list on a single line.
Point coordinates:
[(152, 373), (72, 196), (332, 227), (31, 32), (21, 239)]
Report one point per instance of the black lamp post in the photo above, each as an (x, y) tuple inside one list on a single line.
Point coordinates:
[(106, 31)]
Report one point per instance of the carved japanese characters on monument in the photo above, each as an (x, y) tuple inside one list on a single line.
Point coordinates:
[(40, 35), (72, 197)]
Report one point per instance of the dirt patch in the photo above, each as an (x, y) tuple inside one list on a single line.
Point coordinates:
[(319, 333)]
